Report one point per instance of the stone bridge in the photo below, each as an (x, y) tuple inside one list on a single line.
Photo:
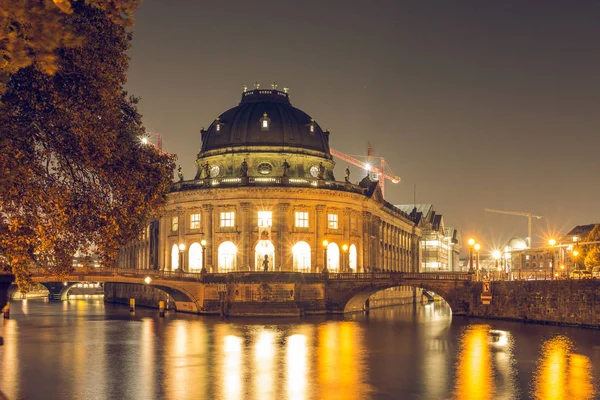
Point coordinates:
[(261, 293)]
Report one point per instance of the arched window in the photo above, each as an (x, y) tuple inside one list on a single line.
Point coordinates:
[(195, 257), (353, 259), (227, 255), (174, 257), (264, 248), (302, 256), (333, 257)]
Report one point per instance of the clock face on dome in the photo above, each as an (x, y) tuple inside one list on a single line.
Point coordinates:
[(314, 171), (214, 171)]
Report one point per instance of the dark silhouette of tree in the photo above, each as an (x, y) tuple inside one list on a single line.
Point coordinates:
[(74, 175)]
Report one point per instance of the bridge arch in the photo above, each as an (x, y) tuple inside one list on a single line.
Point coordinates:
[(345, 298)]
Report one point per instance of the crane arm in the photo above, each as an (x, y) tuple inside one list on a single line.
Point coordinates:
[(522, 214), (361, 164)]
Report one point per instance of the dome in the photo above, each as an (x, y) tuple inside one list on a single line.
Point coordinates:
[(517, 243), (265, 119)]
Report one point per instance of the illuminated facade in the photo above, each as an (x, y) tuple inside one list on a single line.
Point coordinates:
[(439, 244), (265, 198)]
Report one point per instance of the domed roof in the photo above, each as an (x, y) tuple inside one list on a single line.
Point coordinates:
[(265, 118), (517, 243)]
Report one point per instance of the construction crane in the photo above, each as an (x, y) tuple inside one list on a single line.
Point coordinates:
[(521, 214), (383, 172)]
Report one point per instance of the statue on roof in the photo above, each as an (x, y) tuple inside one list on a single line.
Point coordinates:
[(244, 169), (206, 171), (180, 174), (286, 168), (347, 178), (321, 171)]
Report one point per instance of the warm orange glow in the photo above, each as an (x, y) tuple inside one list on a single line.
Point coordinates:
[(496, 254), (575, 253), (325, 243), (203, 242), (471, 242), (477, 246), (561, 374), (474, 377), (551, 242), (345, 247)]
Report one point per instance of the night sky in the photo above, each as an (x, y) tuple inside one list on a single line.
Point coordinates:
[(479, 103)]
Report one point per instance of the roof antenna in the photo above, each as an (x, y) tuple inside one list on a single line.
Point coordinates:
[(415, 195)]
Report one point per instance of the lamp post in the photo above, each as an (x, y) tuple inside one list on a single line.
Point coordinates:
[(477, 247), (325, 244), (471, 244), (203, 244), (181, 256), (575, 254), (345, 258), (552, 242), (496, 255)]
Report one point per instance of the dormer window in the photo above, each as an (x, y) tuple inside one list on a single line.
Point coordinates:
[(311, 126), (265, 122), (218, 125)]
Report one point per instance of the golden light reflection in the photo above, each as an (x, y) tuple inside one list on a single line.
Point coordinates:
[(147, 356), (340, 361), (561, 374), (9, 381), (264, 357), (474, 378), (232, 366), (297, 367)]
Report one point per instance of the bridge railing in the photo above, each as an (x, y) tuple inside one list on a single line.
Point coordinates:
[(249, 276)]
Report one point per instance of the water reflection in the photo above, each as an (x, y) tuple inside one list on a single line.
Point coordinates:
[(562, 374), (474, 368)]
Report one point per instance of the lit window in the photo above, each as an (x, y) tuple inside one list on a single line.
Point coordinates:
[(265, 121), (218, 125), (527, 257), (575, 238), (265, 219), (228, 219), (301, 253), (332, 221), (227, 257), (195, 221), (174, 224), (301, 219)]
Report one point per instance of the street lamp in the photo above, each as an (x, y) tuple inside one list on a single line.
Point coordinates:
[(477, 247), (203, 244), (496, 254), (471, 243), (181, 256), (344, 258), (552, 242), (325, 244)]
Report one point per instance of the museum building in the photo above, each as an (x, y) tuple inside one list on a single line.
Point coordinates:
[(265, 198)]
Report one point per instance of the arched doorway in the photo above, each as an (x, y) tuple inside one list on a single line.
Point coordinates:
[(352, 262), (195, 257), (227, 257), (174, 257), (302, 256), (333, 257), (264, 248)]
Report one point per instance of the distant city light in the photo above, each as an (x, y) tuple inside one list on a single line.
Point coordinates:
[(145, 140)]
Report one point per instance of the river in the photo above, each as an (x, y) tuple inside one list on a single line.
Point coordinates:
[(85, 349)]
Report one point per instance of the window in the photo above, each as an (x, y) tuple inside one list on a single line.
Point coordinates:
[(174, 257), (228, 219), (218, 124), (174, 224), (352, 261), (333, 257), (301, 219), (227, 257), (332, 221), (195, 257), (265, 219), (265, 121), (195, 221), (301, 253)]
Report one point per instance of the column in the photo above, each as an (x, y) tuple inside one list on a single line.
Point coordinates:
[(320, 229), (209, 234), (247, 252), (376, 260), (367, 242), (283, 238)]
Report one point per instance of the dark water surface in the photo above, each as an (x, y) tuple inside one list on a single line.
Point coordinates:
[(84, 349)]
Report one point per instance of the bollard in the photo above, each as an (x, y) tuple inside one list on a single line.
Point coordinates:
[(132, 305), (161, 308), (6, 310)]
